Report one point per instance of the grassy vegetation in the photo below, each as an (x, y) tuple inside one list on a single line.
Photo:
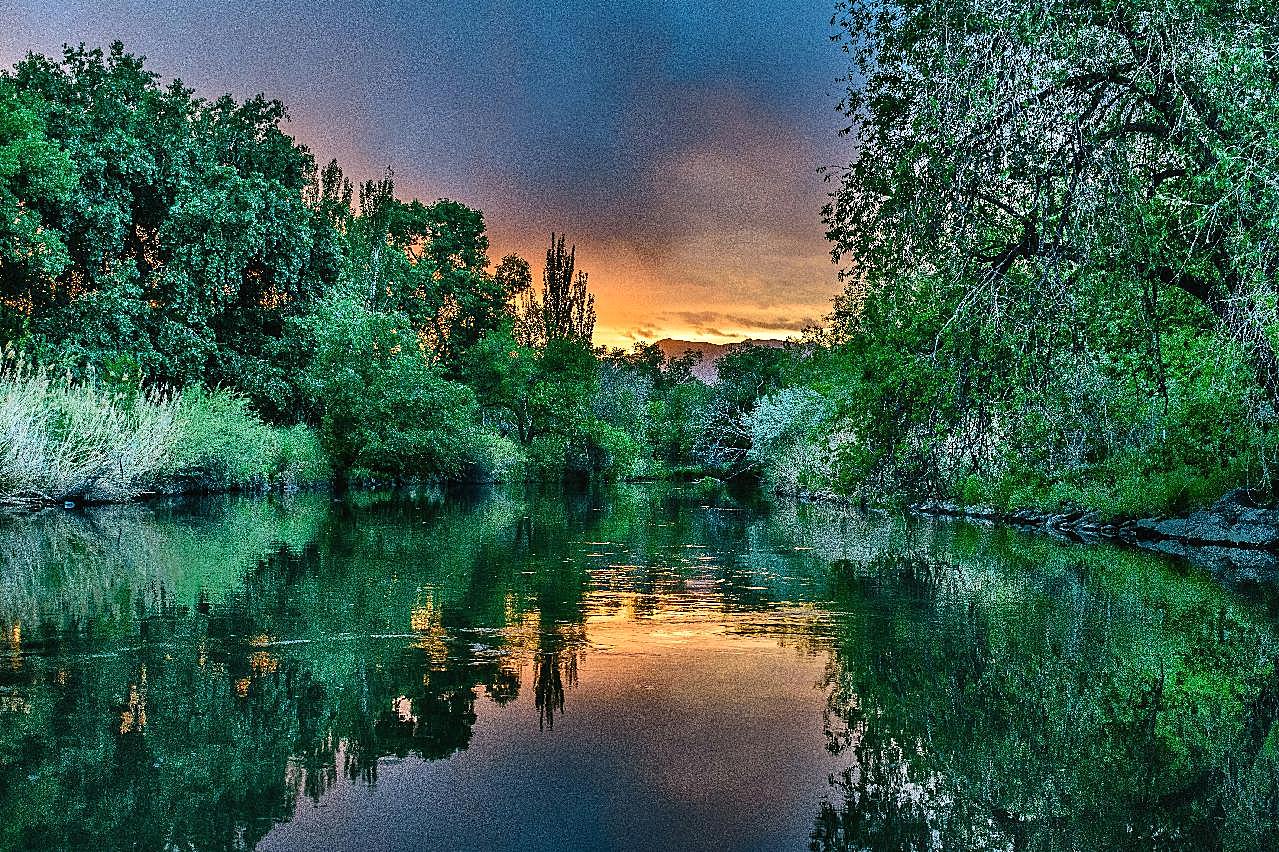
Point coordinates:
[(66, 440)]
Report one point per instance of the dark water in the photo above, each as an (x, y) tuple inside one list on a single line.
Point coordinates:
[(631, 668)]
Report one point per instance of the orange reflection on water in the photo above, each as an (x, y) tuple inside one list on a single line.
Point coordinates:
[(134, 716), (426, 621)]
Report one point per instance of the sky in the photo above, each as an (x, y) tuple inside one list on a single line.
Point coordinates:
[(676, 143)]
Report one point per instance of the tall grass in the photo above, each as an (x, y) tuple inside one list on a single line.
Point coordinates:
[(62, 440)]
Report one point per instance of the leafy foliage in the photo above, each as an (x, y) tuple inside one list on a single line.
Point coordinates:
[(150, 238), (384, 407), (1056, 237)]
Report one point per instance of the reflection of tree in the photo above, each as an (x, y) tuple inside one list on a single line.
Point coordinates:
[(554, 667), (150, 702), (988, 691), (1045, 698)]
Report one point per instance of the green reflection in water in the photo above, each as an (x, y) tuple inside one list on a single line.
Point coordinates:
[(185, 675)]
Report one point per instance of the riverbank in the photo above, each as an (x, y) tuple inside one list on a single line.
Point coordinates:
[(1235, 537)]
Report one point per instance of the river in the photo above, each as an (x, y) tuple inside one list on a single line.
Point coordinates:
[(623, 668)]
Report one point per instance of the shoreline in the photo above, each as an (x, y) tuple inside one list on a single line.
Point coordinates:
[(1234, 537)]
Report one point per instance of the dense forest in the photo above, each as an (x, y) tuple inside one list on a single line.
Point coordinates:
[(1055, 238)]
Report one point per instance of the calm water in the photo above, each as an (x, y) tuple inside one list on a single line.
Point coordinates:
[(631, 668)]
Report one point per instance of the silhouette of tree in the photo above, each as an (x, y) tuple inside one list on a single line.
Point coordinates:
[(566, 309)]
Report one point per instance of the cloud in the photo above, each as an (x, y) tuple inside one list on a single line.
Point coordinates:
[(644, 332), (712, 322)]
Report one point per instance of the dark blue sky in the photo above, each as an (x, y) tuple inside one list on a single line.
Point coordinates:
[(676, 143)]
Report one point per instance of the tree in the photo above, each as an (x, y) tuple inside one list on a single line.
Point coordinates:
[(514, 275), (540, 372), (1043, 157), (383, 406), (187, 240), (1054, 232), (746, 377), (429, 262), (566, 309), (34, 174)]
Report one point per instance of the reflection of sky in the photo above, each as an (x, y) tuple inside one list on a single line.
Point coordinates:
[(676, 142), (675, 736)]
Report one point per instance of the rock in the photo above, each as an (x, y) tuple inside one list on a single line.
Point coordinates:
[(1264, 534), (1235, 526), (1088, 523), (1234, 500), (1231, 565), (1233, 522), (1159, 528)]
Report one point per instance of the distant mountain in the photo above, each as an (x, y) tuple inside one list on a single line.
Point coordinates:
[(707, 370)]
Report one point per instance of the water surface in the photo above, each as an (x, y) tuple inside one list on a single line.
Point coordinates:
[(625, 668)]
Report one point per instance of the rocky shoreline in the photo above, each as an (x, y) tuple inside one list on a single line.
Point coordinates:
[(1236, 536)]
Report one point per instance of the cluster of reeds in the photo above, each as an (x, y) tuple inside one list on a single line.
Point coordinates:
[(63, 440)]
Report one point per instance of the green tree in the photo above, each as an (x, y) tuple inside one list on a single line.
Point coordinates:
[(566, 309), (384, 407), (1056, 239), (34, 173), (187, 237)]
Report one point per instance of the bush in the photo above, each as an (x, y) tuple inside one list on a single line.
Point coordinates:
[(787, 439), (611, 453), (383, 406), (546, 457), (496, 458), (60, 440), (221, 445), (300, 459)]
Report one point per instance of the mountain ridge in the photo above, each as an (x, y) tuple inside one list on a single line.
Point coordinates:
[(707, 370)]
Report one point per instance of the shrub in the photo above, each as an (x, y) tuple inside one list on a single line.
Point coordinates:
[(546, 457), (383, 406), (221, 444), (611, 453), (497, 458), (300, 459), (60, 440), (787, 441), (786, 417)]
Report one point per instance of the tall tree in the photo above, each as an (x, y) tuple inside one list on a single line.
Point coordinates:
[(188, 242), (1049, 156), (566, 309)]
